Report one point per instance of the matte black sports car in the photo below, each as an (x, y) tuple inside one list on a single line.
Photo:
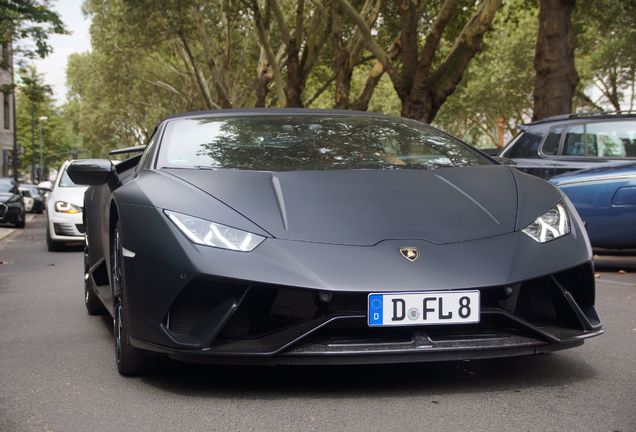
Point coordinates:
[(303, 237)]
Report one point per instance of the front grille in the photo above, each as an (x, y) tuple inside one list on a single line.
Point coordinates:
[(3, 210), (219, 314), (535, 303), (197, 300)]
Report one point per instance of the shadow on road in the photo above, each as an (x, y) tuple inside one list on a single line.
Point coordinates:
[(513, 374), (615, 263)]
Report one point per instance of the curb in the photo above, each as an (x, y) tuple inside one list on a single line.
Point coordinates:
[(6, 232)]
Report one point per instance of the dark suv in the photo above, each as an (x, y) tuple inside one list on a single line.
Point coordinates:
[(11, 203), (571, 142)]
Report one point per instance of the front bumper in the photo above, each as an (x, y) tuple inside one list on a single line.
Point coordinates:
[(9, 213), (205, 304), (219, 321), (65, 227)]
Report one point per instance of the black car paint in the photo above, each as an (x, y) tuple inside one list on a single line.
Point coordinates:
[(470, 238), (11, 203)]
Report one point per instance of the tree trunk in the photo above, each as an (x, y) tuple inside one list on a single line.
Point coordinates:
[(342, 68), (556, 76), (294, 83), (431, 89), (264, 77), (364, 98)]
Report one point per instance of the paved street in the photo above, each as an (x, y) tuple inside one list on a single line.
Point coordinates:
[(57, 373)]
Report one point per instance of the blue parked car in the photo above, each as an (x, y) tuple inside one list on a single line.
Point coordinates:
[(606, 200)]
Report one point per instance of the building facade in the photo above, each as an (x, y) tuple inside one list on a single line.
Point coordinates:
[(6, 110)]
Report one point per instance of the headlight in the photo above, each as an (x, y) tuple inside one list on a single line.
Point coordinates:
[(551, 225), (208, 233), (67, 207)]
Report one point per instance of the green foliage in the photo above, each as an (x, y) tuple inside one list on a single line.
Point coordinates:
[(606, 54), (153, 58), (33, 101), (30, 20), (500, 80), (138, 74)]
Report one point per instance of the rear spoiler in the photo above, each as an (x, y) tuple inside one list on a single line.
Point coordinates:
[(137, 149)]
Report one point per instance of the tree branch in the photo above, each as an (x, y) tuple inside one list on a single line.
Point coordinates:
[(271, 58), (203, 86), (371, 43), (427, 55), (375, 75), (445, 79)]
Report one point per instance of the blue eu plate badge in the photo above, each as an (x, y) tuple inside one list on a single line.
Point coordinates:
[(375, 309)]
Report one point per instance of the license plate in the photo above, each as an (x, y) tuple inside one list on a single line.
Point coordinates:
[(395, 309)]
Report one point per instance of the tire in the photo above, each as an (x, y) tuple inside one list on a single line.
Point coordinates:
[(129, 360), (21, 220), (51, 244)]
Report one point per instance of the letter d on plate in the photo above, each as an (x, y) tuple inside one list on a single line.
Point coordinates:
[(375, 309)]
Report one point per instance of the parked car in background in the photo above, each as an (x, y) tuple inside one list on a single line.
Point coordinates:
[(64, 211), (606, 201), (570, 142), (32, 193), (11, 203)]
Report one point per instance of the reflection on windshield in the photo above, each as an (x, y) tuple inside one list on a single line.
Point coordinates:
[(310, 142), (66, 181), (6, 187)]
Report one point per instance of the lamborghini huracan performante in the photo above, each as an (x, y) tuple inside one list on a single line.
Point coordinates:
[(328, 237)]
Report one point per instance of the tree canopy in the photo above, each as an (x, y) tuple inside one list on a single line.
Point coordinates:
[(30, 22), (466, 66)]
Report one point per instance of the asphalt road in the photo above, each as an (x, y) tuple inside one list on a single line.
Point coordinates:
[(57, 373)]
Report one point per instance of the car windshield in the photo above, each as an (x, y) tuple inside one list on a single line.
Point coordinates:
[(6, 187), (311, 142), (66, 181), (34, 190)]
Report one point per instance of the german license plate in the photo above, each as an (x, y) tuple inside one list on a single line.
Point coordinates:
[(395, 309)]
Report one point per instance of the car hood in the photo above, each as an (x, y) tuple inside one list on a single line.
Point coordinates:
[(4, 197), (74, 195), (364, 207)]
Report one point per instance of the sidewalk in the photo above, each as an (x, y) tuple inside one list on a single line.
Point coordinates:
[(6, 232)]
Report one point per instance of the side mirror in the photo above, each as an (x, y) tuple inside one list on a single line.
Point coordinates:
[(45, 186), (93, 172)]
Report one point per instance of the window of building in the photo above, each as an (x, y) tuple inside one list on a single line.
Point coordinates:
[(4, 59), (6, 110)]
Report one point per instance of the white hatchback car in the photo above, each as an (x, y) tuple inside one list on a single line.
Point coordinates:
[(64, 211)]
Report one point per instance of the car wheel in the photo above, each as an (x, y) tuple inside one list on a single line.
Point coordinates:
[(130, 360), (21, 220), (51, 244)]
